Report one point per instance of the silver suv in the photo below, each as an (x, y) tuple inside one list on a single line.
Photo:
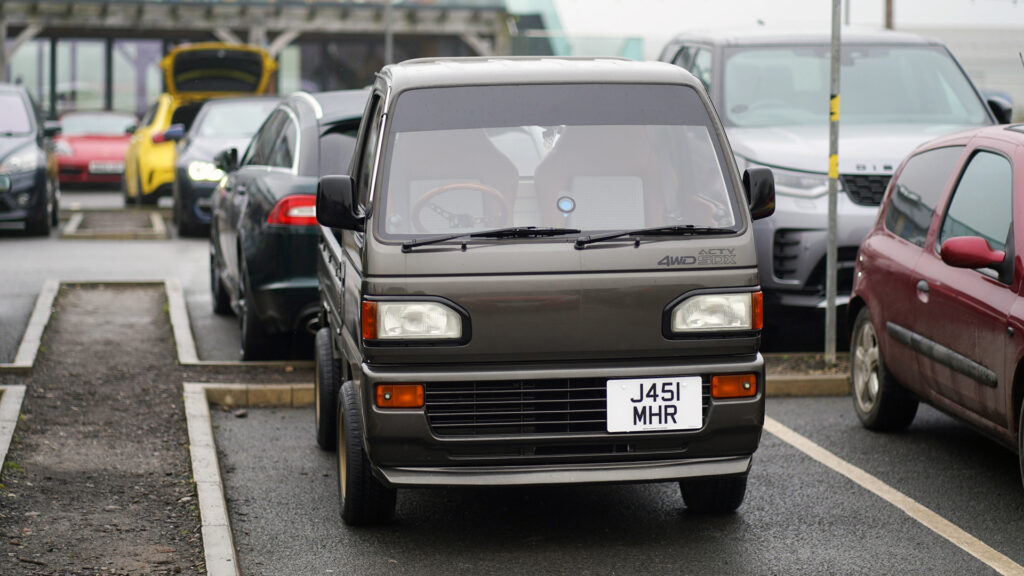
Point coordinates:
[(772, 92)]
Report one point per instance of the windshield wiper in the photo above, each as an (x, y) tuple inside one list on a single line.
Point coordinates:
[(678, 230), (513, 232)]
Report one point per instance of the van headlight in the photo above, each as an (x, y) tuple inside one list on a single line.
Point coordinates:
[(24, 160), (409, 320), (204, 171), (718, 313), (792, 182)]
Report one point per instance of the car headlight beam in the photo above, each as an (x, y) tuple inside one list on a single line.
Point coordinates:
[(24, 160), (201, 171)]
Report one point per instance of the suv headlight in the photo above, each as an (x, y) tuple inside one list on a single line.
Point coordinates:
[(718, 313), (204, 171), (405, 320), (24, 160), (792, 182)]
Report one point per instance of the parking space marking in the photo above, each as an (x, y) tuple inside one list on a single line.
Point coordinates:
[(912, 508)]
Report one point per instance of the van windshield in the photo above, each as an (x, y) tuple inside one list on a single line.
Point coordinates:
[(789, 85), (598, 158)]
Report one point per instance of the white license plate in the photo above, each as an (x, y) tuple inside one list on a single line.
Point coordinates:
[(106, 167), (648, 404)]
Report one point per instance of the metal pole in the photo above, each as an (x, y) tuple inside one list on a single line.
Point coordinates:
[(888, 15), (833, 190), (389, 35), (846, 14), (3, 50)]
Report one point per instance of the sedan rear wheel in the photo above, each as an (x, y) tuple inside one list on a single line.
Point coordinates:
[(881, 403)]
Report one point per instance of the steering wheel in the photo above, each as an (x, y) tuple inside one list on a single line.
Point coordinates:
[(462, 220)]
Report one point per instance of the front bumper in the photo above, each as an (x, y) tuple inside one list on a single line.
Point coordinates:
[(792, 245), (23, 197), (406, 449), (76, 172), (196, 207)]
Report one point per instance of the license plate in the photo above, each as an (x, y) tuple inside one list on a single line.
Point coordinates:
[(106, 167), (649, 404)]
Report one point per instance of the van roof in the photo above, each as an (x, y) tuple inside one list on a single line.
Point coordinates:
[(771, 36), (439, 72)]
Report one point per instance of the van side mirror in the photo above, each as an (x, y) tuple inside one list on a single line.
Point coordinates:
[(335, 203), (970, 252), (1001, 108), (759, 185), (227, 160)]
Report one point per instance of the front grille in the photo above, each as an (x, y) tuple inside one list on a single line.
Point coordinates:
[(866, 190), (71, 170), (785, 252), (518, 407)]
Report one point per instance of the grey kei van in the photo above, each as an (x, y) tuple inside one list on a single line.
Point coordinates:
[(539, 271)]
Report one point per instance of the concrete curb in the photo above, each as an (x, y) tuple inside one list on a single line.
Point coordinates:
[(800, 385), (218, 543), (32, 338), (11, 398), (186, 344)]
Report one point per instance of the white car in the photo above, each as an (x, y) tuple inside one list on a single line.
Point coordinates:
[(771, 89)]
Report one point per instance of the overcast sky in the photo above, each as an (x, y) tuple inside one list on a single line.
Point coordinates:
[(658, 20)]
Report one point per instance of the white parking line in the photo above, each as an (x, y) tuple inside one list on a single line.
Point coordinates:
[(922, 514)]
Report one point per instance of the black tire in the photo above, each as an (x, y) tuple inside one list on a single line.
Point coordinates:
[(1020, 441), (880, 402), (255, 344), (714, 495), (362, 498), (327, 378), (221, 298), (39, 222), (55, 215)]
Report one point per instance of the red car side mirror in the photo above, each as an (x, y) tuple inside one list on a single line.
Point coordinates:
[(970, 252)]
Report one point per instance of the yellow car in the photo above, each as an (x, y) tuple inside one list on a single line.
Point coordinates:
[(193, 74)]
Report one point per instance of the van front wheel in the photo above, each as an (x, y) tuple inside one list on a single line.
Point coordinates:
[(363, 499)]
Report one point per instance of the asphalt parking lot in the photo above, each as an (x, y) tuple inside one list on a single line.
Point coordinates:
[(799, 517)]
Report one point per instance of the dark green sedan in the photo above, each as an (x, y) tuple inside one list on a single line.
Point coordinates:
[(263, 231)]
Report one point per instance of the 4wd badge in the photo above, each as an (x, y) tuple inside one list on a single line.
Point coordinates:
[(707, 257)]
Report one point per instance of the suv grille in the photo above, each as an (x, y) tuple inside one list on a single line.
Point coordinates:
[(866, 190), (514, 407)]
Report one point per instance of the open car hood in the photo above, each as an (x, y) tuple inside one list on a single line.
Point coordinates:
[(209, 69)]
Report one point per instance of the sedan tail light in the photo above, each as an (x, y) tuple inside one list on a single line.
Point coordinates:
[(298, 210)]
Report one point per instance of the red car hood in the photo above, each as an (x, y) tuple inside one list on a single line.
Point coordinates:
[(98, 147)]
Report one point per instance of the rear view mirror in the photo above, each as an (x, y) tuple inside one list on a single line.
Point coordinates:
[(759, 185), (1001, 108), (174, 133), (51, 128), (970, 252), (335, 203), (227, 160)]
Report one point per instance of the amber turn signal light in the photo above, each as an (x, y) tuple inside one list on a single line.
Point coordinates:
[(734, 386), (757, 310), (400, 395), (369, 320)]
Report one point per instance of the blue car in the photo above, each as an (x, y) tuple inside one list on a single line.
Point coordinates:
[(29, 192)]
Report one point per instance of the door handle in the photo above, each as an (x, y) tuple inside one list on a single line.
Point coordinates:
[(922, 286)]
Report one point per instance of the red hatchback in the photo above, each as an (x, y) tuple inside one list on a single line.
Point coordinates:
[(937, 312), (91, 147)]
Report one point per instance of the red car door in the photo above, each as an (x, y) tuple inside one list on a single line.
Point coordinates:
[(960, 314), (889, 255)]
